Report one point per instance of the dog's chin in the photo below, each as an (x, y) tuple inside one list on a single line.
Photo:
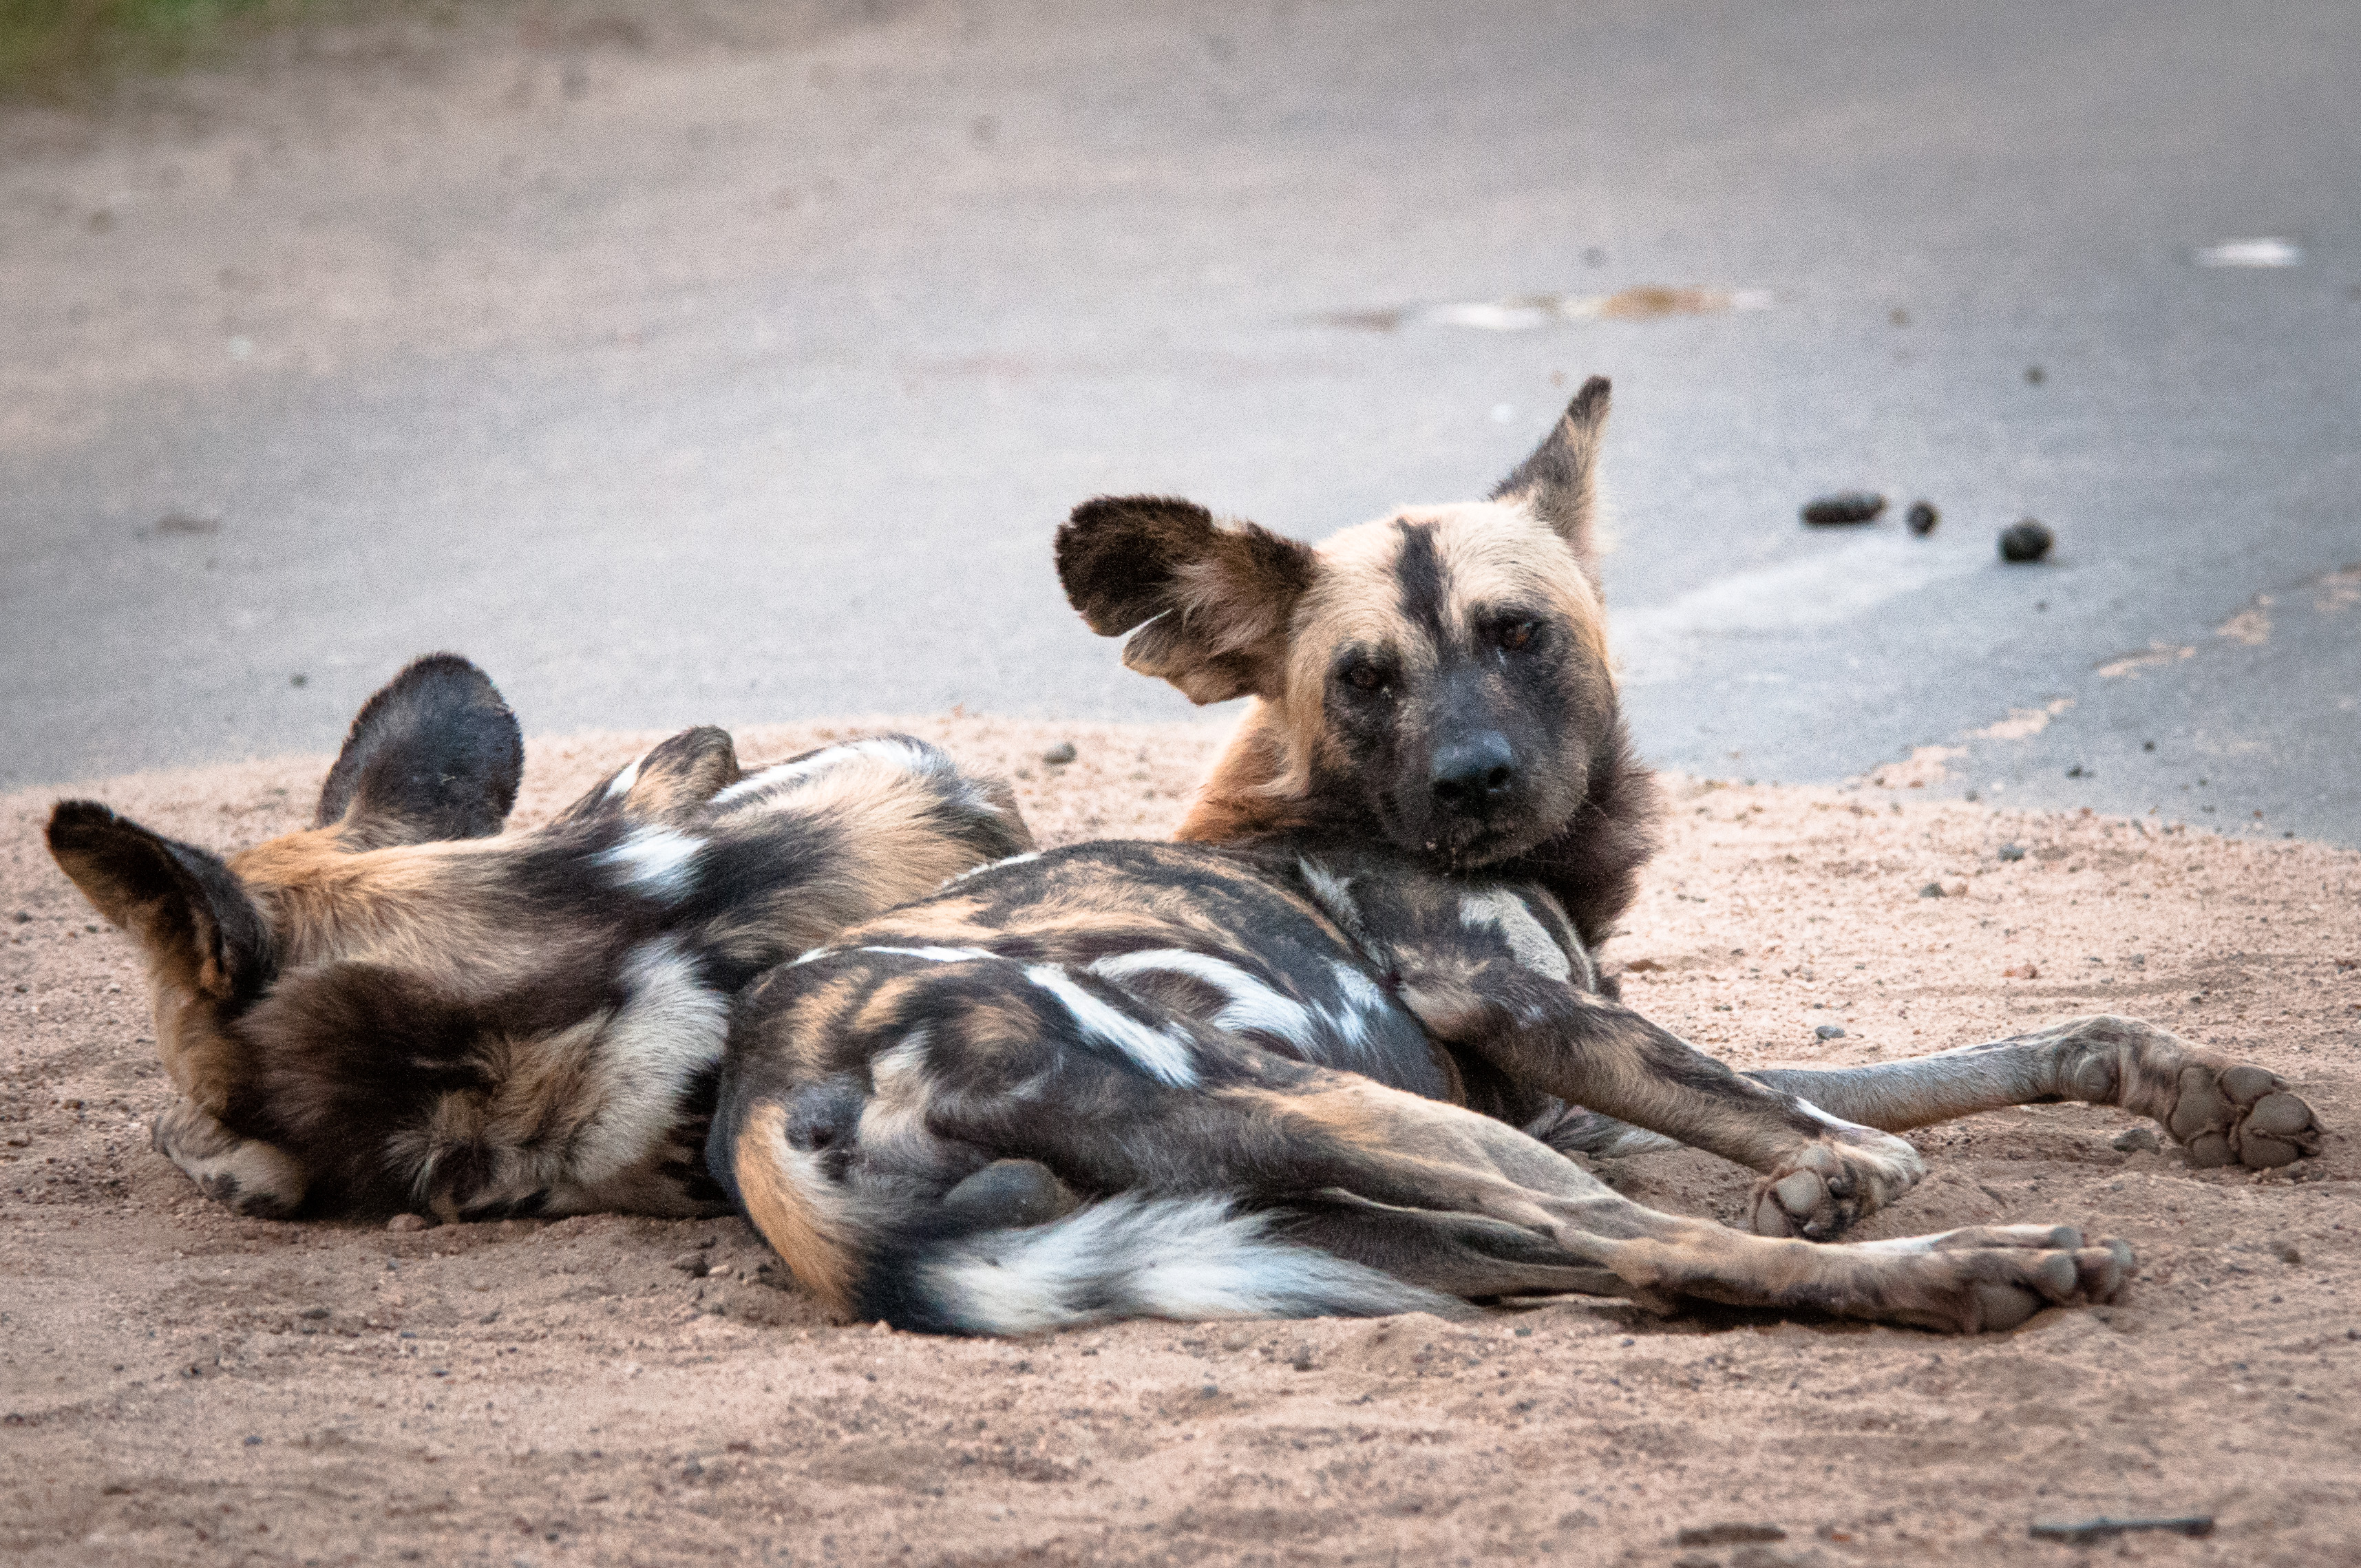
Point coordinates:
[(1462, 844)]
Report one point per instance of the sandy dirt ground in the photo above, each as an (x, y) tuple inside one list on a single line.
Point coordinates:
[(179, 1385)]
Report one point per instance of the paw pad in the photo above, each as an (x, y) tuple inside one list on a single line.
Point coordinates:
[(2241, 1114)]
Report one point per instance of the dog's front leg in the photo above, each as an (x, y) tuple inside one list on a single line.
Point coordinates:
[(2221, 1110), (1820, 1174)]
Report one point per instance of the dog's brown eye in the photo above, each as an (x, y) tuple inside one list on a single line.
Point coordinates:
[(1516, 634), (1364, 678)]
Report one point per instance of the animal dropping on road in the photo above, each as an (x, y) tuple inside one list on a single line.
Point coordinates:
[(1845, 507), (2025, 541)]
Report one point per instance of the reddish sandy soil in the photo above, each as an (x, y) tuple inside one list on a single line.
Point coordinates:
[(179, 1385)]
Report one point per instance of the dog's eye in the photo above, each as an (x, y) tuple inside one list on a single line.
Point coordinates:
[(1516, 634), (1365, 679)]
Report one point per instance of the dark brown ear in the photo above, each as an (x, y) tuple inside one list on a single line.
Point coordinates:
[(1207, 604), (186, 908), (1559, 481), (436, 754)]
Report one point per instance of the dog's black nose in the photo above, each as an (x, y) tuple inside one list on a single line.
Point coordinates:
[(1474, 775)]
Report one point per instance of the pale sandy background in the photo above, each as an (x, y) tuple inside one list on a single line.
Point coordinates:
[(178, 1385)]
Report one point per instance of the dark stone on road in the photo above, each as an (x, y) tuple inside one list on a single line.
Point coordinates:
[(2026, 541), (2084, 1531), (2012, 851), (1060, 754), (1922, 517), (1728, 1534), (1829, 1032), (1851, 506)]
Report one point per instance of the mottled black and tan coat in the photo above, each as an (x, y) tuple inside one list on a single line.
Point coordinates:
[(403, 1008)]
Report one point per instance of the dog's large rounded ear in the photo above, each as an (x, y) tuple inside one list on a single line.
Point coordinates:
[(186, 908), (1207, 604), (436, 754), (1560, 480)]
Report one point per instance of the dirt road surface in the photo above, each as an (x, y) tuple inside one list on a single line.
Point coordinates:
[(181, 1386)]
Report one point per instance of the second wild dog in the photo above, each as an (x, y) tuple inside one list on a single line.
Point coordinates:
[(403, 1008)]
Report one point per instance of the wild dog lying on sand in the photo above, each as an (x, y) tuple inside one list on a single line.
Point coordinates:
[(396, 1009), (1323, 1056)]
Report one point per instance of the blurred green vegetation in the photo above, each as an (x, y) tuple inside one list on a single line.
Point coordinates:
[(61, 50)]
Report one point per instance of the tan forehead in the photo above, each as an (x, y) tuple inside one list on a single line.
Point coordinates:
[(1489, 554)]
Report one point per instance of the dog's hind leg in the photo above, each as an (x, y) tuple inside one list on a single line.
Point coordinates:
[(1459, 1255), (2225, 1112)]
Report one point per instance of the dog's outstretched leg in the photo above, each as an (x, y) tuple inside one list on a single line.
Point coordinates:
[(2220, 1110)]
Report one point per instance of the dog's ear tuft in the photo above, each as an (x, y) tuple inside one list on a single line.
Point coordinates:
[(436, 754), (187, 909), (1207, 604), (1560, 481)]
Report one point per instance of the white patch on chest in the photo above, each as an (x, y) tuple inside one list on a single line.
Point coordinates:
[(1333, 894), (1500, 911)]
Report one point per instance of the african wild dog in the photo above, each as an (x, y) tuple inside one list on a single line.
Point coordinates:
[(396, 1009), (1323, 1056)]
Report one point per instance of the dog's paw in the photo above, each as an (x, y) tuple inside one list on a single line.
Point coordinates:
[(252, 1178), (1825, 1187), (1990, 1278), (2224, 1113)]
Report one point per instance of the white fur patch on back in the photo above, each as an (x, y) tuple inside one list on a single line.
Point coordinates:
[(894, 750), (1529, 940), (1159, 1055), (1253, 1006), (655, 859), (955, 880)]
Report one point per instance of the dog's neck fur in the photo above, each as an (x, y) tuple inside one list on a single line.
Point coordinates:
[(1591, 864)]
